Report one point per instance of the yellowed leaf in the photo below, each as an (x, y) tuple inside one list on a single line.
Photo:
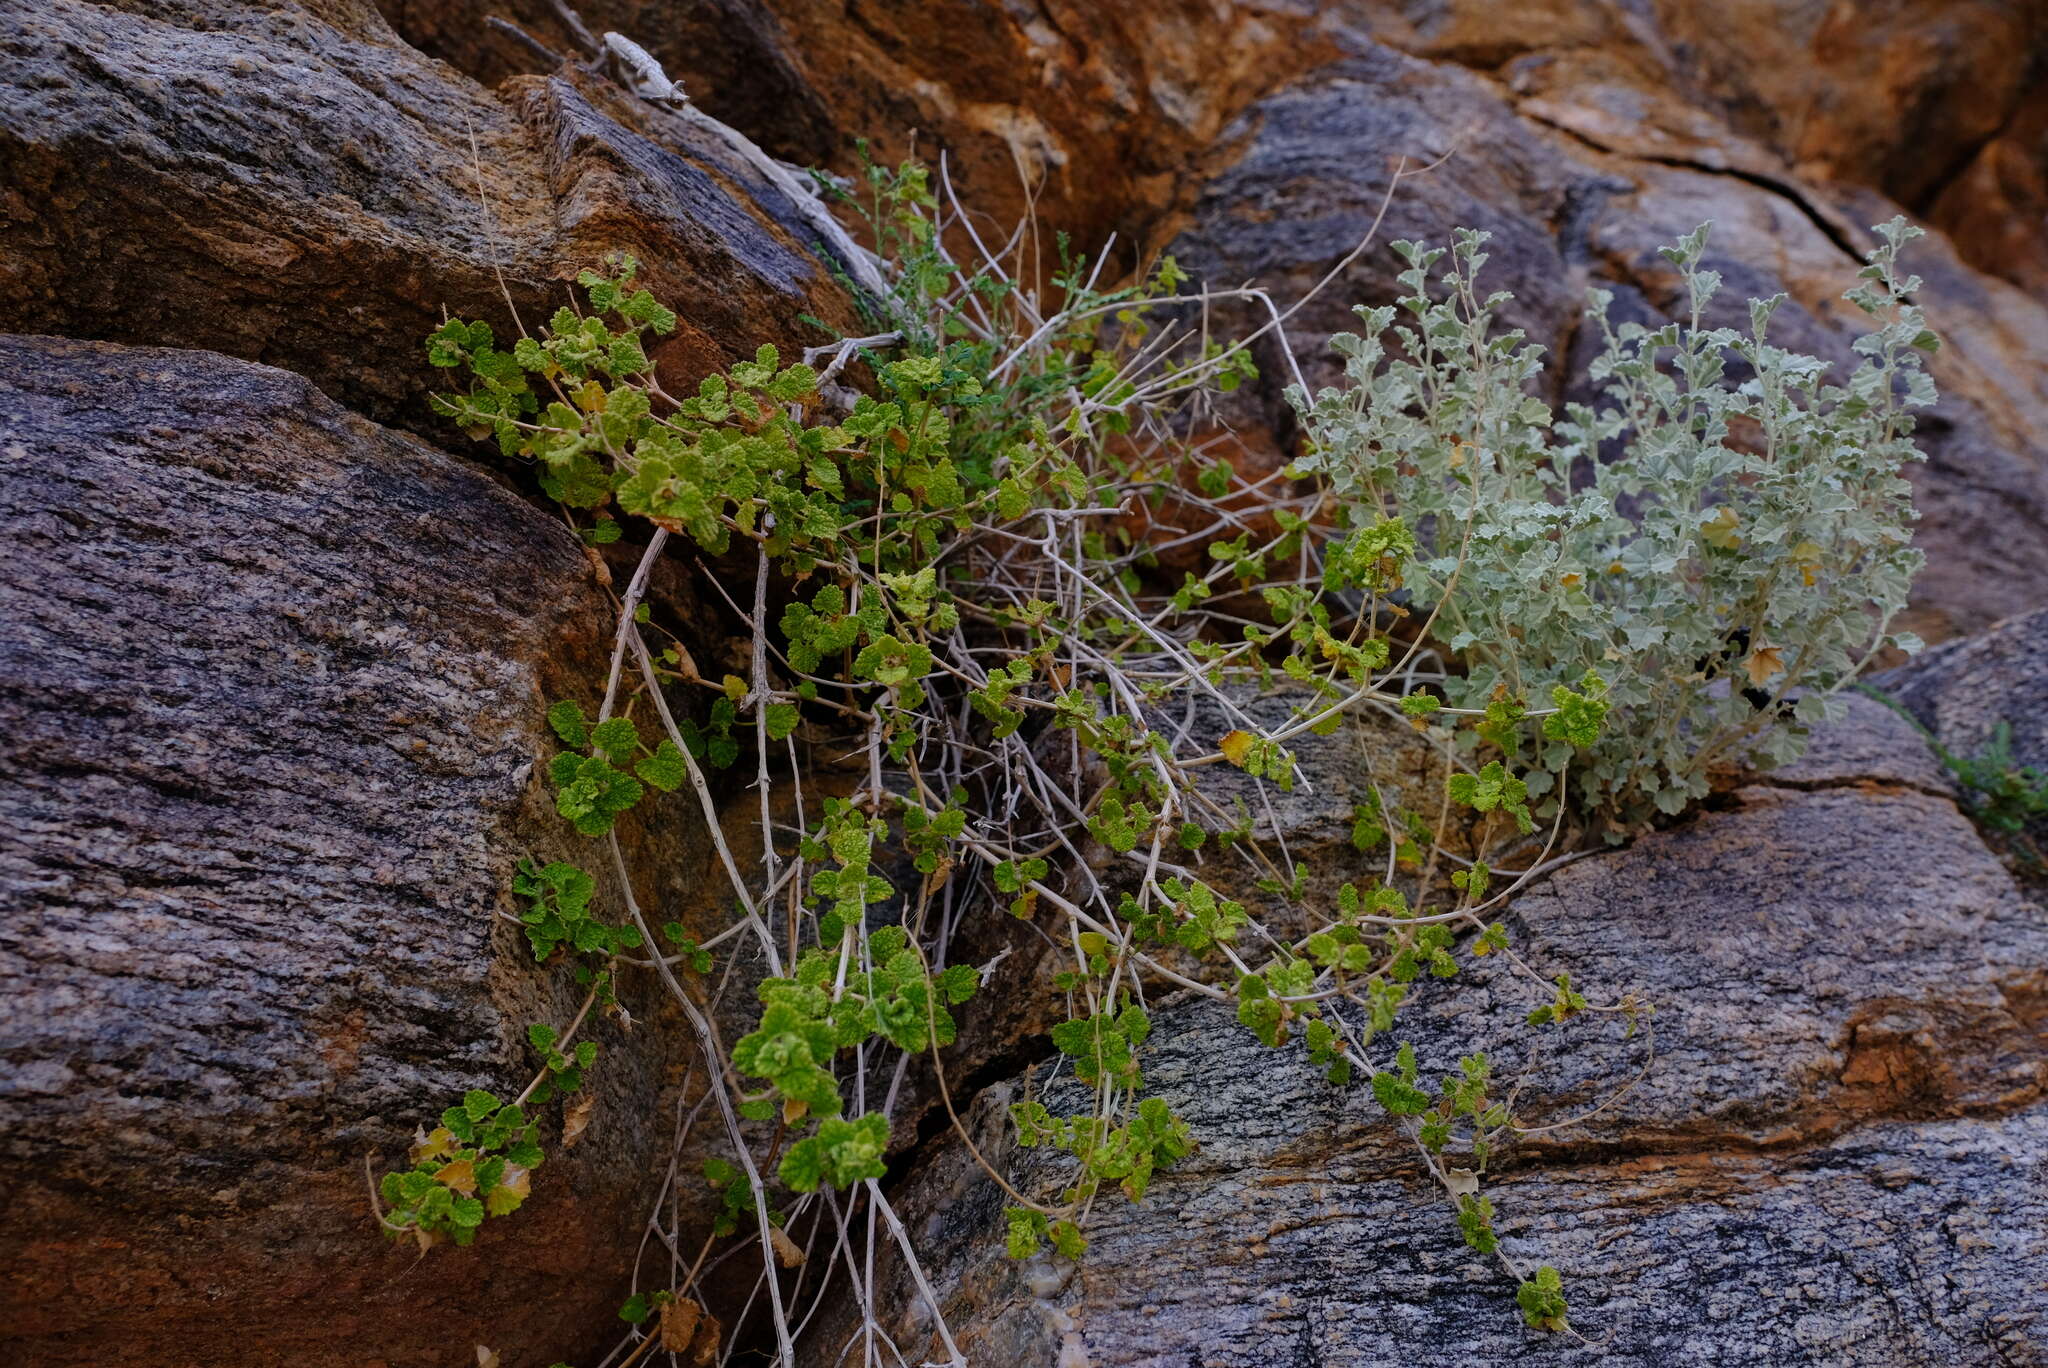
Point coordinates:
[(486, 1357), (1806, 556), (459, 1176), (1719, 531), (576, 1118), (794, 1111), (513, 1188), (1236, 747), (788, 1251), (591, 397), (439, 1145), (679, 1318), (1763, 662)]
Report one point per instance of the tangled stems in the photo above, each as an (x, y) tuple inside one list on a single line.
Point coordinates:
[(960, 583)]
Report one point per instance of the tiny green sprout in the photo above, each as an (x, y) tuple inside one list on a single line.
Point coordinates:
[(1493, 787), (1421, 704), (1027, 1229), (1395, 1088), (1367, 831), (841, 1154), (476, 1164), (1473, 882), (1120, 826), (592, 789), (1327, 1052), (891, 662), (1568, 1003), (1372, 558), (559, 915), (1261, 1007), (736, 1195), (1475, 1222), (1105, 1044), (1579, 714), (1542, 1300), (2002, 794), (663, 768), (1215, 479), (569, 723), (686, 946)]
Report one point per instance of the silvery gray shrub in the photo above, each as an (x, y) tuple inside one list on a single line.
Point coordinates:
[(1723, 538)]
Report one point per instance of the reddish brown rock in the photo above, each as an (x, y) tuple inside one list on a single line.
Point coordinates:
[(736, 58), (1996, 207), (1893, 97), (1098, 109), (1911, 100)]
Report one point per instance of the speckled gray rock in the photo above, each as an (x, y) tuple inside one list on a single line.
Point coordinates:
[(1836, 1157), (1963, 690), (1870, 744), (294, 185), (270, 694), (1897, 1245)]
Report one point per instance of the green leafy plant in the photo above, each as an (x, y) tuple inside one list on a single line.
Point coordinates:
[(476, 1163), (971, 534), (559, 911)]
